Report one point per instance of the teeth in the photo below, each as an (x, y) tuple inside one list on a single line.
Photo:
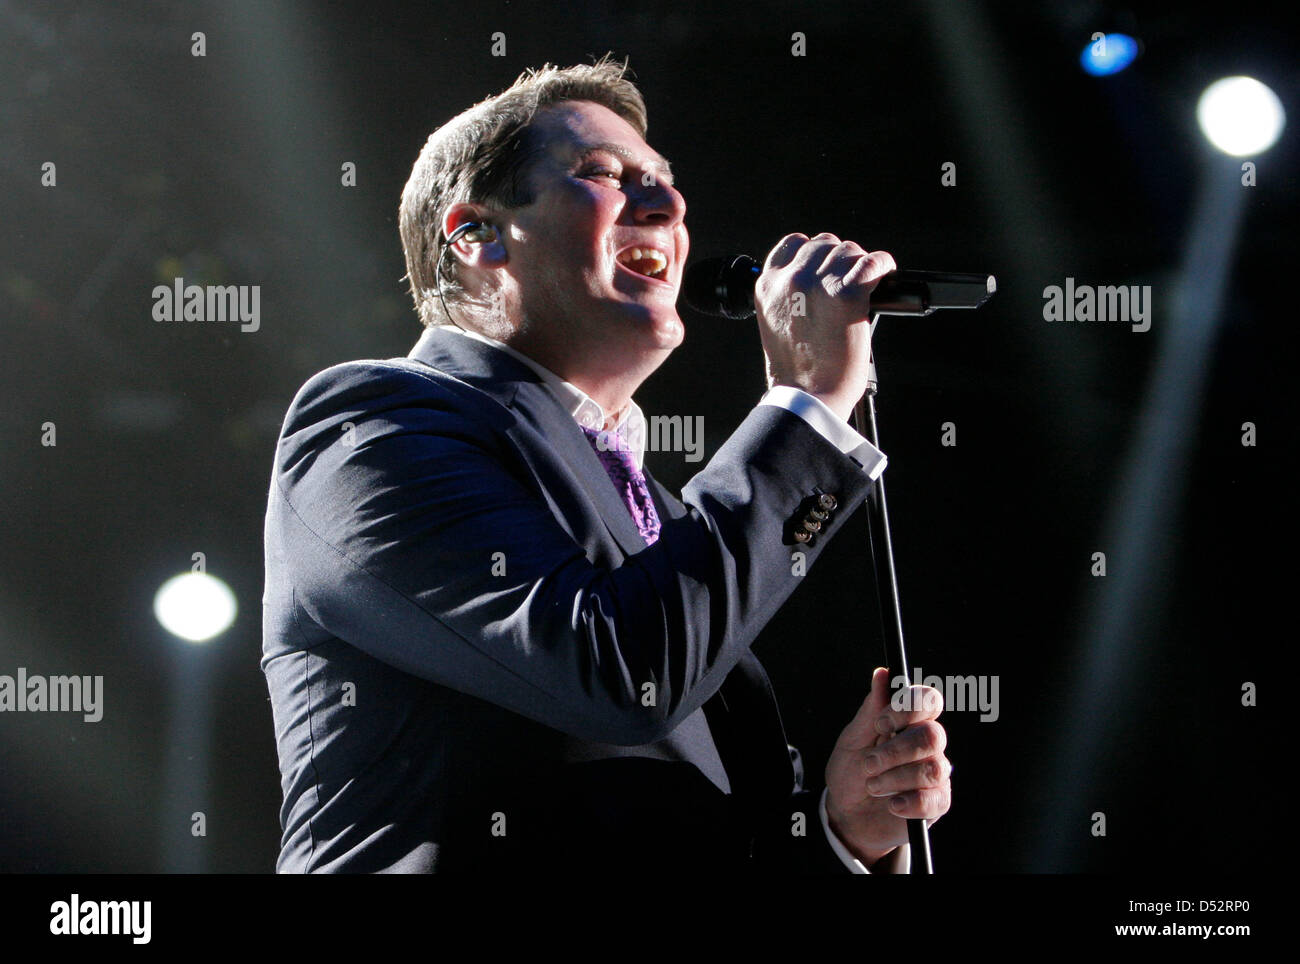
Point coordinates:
[(658, 258)]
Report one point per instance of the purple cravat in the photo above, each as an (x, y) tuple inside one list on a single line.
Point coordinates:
[(614, 453)]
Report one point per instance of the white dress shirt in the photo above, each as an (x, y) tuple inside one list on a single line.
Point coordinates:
[(589, 414)]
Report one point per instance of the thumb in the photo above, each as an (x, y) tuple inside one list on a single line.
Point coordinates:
[(861, 731)]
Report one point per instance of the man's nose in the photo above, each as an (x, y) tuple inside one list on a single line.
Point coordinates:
[(659, 203)]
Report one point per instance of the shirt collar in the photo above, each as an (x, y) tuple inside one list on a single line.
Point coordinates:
[(585, 410)]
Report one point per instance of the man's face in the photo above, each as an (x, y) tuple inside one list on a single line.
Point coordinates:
[(599, 191)]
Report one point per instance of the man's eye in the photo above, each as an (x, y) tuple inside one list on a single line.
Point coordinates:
[(602, 172)]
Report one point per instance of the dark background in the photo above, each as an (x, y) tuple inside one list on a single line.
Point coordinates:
[(225, 169)]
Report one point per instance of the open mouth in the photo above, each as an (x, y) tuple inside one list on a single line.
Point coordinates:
[(647, 262)]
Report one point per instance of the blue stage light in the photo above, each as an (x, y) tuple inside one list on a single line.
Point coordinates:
[(1108, 54)]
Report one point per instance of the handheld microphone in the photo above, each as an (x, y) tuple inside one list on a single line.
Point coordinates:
[(725, 287)]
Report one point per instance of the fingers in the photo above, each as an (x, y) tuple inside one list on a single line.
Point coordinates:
[(870, 268), (917, 791), (926, 804), (854, 270), (909, 706), (824, 252), (930, 773), (852, 274), (842, 260), (861, 732), (812, 256), (880, 716), (784, 251), (917, 742)]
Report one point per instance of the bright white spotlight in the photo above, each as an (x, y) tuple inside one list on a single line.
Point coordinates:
[(1240, 116), (195, 606)]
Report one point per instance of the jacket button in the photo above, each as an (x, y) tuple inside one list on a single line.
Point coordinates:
[(812, 526), (801, 535), (827, 501)]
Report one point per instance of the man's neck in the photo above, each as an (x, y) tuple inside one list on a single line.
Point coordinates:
[(614, 405), (611, 387)]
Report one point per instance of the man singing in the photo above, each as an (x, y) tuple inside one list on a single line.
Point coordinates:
[(493, 641)]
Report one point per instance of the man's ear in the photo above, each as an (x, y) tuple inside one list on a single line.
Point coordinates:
[(478, 238)]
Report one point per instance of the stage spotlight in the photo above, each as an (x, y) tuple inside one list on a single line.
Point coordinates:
[(1240, 116), (1108, 53), (195, 606)]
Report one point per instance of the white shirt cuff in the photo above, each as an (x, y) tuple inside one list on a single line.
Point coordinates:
[(829, 425), (899, 862)]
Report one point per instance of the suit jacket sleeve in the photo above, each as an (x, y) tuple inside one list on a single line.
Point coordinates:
[(413, 529)]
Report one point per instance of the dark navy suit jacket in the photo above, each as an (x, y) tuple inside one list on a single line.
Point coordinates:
[(476, 663)]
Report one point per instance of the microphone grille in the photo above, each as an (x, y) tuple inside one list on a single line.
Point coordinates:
[(721, 286)]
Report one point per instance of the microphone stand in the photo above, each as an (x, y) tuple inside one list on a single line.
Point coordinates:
[(725, 287), (891, 617)]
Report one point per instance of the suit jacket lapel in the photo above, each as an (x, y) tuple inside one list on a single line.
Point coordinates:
[(538, 406), (547, 435)]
